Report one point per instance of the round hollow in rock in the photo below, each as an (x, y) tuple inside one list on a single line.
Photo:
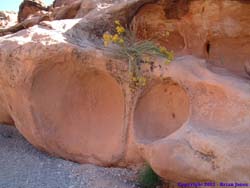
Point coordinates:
[(79, 114), (160, 111)]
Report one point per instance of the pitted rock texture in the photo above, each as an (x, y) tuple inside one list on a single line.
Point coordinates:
[(208, 29), (212, 140), (69, 96)]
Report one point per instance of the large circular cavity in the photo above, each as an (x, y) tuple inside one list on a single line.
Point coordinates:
[(160, 111), (79, 115)]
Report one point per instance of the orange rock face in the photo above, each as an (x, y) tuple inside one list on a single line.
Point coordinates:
[(69, 97), (208, 29), (160, 111), (84, 102)]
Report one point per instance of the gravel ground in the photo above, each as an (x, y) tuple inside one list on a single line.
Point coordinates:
[(22, 166)]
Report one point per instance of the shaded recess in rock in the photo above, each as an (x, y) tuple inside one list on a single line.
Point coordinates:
[(160, 111), (175, 9), (79, 114)]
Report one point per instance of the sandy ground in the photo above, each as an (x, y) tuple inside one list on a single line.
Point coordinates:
[(23, 166)]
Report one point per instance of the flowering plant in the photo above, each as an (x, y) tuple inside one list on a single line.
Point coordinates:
[(135, 51)]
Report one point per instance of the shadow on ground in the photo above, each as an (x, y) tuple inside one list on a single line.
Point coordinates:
[(23, 166)]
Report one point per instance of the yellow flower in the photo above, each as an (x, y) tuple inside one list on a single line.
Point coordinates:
[(163, 50), (141, 81), (134, 79), (167, 61), (106, 43), (115, 38), (171, 55), (146, 58), (121, 41), (120, 29), (107, 39), (117, 22)]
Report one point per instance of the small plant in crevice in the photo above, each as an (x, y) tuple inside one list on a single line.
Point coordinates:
[(124, 44), (148, 178)]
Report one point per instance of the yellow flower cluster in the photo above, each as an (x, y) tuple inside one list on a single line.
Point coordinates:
[(135, 52), (139, 81), (169, 55), (107, 39), (119, 28), (116, 38), (163, 50)]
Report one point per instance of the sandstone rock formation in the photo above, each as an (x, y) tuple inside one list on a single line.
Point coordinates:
[(30, 7), (60, 3), (7, 19), (208, 29), (70, 97)]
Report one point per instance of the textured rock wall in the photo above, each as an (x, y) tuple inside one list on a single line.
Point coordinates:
[(59, 3), (30, 7), (215, 30)]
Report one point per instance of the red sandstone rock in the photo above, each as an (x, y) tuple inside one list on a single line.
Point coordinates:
[(211, 30), (69, 97), (213, 136), (67, 12), (30, 7), (59, 3)]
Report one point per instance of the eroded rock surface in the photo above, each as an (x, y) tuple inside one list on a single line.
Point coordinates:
[(59, 3), (30, 7), (208, 29), (7, 19), (213, 139), (68, 96)]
